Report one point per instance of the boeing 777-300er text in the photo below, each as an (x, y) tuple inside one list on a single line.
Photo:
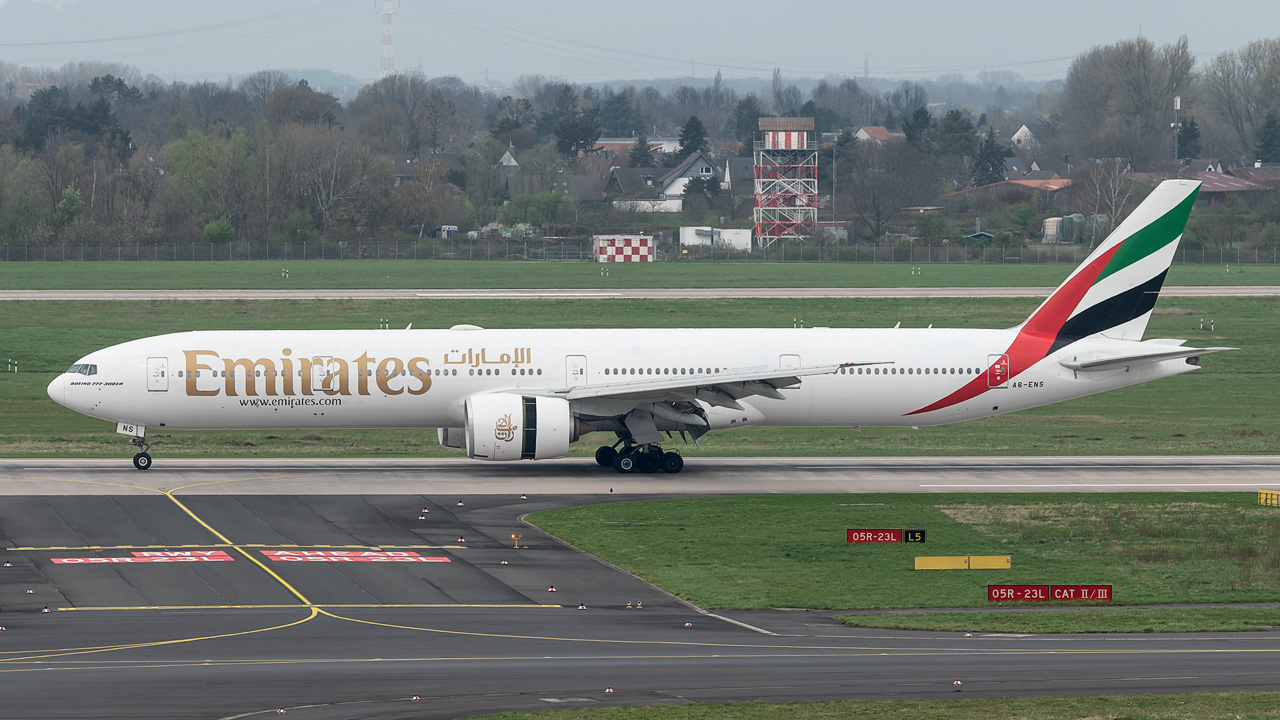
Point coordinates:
[(527, 394)]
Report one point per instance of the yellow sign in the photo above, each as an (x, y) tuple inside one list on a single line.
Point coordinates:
[(964, 562)]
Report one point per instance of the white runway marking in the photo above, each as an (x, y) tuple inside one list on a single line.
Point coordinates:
[(1035, 485), (469, 295)]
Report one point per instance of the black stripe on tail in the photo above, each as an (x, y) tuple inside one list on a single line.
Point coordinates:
[(1115, 310)]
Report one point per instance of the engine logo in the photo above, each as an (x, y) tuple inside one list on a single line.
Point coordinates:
[(504, 430)]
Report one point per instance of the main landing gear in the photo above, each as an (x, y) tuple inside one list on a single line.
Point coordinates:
[(639, 458), (141, 460)]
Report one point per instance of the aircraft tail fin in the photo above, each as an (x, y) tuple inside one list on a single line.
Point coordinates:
[(1114, 290)]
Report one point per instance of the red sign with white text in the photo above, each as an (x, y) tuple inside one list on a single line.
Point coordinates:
[(874, 536), (1082, 592), (349, 556), (184, 556), (1017, 593), (1045, 593)]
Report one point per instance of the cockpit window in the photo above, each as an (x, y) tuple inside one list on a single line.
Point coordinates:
[(73, 369), (83, 369)]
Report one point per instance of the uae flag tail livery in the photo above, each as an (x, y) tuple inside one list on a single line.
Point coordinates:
[(1113, 292), (1110, 296), (527, 394)]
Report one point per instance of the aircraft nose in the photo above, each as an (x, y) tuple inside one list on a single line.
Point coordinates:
[(58, 389)]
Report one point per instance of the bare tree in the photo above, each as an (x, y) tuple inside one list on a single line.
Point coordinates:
[(1118, 100), (435, 120), (259, 87), (333, 170), (541, 91), (1106, 188), (882, 181), (1245, 86)]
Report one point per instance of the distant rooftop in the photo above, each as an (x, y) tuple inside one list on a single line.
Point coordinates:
[(784, 124)]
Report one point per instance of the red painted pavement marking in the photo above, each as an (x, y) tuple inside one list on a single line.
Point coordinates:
[(348, 556), (180, 553), (136, 560)]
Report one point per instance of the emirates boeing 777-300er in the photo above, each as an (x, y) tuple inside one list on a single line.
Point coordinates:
[(527, 394)]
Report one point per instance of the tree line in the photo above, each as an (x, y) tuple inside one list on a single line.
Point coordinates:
[(97, 152)]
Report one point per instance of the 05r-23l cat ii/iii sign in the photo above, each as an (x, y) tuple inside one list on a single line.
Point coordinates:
[(527, 394)]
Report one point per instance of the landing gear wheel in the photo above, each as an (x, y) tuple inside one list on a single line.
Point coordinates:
[(625, 462), (605, 456), (672, 462), (651, 460), (142, 461)]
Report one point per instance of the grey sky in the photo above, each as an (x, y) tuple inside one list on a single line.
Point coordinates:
[(593, 41)]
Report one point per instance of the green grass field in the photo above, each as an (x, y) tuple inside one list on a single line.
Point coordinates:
[(263, 274), (1227, 407), (1110, 620), (1187, 706), (759, 552)]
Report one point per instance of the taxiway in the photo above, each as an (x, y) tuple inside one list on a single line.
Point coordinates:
[(341, 589)]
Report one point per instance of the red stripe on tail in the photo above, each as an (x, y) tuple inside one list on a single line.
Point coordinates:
[(1037, 334)]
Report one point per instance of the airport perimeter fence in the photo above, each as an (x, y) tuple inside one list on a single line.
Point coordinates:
[(580, 251)]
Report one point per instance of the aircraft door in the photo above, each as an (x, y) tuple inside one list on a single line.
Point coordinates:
[(157, 374), (997, 371), (786, 362), (320, 372), (575, 370)]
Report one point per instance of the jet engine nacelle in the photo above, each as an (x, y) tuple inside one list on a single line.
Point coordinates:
[(508, 426)]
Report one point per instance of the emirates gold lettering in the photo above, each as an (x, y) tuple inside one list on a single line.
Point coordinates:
[(504, 429), (208, 374)]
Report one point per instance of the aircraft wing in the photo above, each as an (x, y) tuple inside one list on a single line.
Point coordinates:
[(1111, 363), (723, 389)]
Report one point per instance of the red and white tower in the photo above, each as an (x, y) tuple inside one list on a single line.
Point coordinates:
[(786, 174), (388, 64)]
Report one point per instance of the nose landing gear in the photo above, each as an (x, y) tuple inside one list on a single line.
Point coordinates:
[(142, 460)]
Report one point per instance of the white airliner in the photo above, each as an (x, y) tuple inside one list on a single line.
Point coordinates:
[(527, 394)]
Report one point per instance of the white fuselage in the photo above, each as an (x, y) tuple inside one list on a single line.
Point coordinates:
[(420, 378)]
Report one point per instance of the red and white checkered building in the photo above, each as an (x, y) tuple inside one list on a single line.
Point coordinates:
[(622, 248)]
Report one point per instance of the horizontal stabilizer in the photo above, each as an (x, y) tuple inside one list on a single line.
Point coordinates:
[(1110, 363)]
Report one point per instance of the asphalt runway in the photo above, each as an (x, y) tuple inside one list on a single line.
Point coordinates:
[(600, 294), (324, 588)]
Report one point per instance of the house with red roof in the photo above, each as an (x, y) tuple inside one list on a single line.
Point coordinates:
[(877, 134)]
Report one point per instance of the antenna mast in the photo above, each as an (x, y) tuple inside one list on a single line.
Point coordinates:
[(388, 63)]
